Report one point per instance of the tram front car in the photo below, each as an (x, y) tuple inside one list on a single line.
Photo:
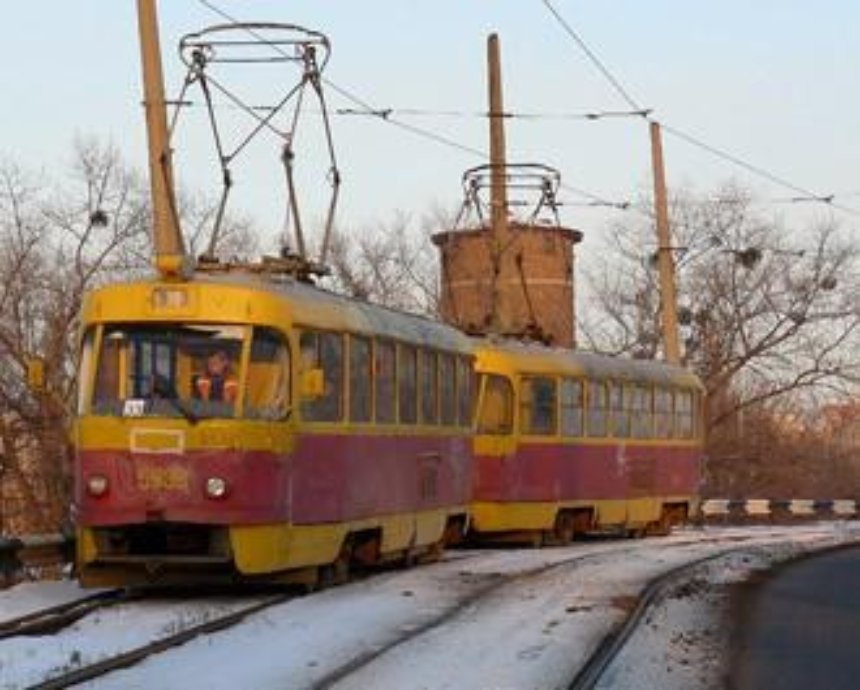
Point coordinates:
[(182, 433)]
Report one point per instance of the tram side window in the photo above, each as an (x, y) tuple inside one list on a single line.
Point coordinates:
[(108, 376), (571, 407), (324, 351), (684, 414), (538, 406), (641, 418), (360, 380), (620, 415), (429, 388), (408, 383), (663, 413), (385, 370), (496, 416), (597, 411), (267, 392), (448, 401), (465, 380)]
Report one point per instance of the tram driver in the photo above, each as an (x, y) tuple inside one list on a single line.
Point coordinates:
[(218, 382)]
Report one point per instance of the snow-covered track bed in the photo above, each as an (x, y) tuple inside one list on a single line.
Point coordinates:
[(680, 635), (660, 588), (58, 616), (103, 640), (508, 618)]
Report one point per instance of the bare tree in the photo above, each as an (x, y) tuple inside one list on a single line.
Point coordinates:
[(58, 240), (237, 237), (770, 322), (54, 246), (764, 313), (392, 264)]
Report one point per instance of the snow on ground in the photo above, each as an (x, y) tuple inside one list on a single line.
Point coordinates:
[(521, 618), (685, 641), (30, 597), (25, 661), (534, 633)]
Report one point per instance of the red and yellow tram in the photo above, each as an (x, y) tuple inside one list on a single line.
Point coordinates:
[(347, 436), (571, 442), (240, 428)]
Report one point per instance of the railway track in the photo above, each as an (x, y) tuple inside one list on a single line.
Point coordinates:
[(591, 673), (55, 618), (485, 571), (378, 666), (614, 550), (607, 666), (134, 656)]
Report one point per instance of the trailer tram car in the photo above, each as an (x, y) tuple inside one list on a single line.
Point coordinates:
[(570, 442), (331, 432)]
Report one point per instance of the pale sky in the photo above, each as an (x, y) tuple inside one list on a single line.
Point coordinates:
[(773, 82)]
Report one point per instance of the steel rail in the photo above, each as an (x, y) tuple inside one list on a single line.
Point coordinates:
[(54, 618), (497, 583), (591, 673), (135, 656)]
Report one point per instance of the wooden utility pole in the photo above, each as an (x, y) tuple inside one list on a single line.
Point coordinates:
[(170, 259), (665, 257), (498, 186)]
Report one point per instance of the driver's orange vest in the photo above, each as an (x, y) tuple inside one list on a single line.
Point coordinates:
[(209, 389)]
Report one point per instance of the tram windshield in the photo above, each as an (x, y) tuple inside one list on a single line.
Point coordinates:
[(189, 370), (168, 371)]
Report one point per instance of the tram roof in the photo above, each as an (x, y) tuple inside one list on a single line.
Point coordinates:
[(515, 357), (306, 305)]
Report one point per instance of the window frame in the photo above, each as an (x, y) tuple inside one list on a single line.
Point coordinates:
[(318, 363), (427, 354), (507, 428), (564, 407), (591, 409), (385, 391), (287, 405), (369, 390), (404, 394), (447, 388), (527, 421)]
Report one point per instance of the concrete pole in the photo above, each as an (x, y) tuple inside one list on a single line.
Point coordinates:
[(167, 241), (498, 186), (665, 257)]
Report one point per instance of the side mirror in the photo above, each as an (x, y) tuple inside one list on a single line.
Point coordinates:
[(36, 374), (312, 384)]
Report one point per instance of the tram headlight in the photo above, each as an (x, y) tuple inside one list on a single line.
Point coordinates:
[(216, 487), (97, 485)]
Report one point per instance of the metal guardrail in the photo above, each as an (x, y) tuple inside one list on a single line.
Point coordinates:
[(727, 510), (18, 554)]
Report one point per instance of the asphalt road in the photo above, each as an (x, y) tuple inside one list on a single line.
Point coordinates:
[(800, 628)]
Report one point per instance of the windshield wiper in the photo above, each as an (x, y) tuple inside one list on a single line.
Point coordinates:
[(165, 390)]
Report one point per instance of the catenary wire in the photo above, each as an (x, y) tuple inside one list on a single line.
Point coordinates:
[(418, 131), (806, 195), (593, 57)]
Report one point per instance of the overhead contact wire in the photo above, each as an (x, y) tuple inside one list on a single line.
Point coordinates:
[(807, 195), (593, 57), (386, 116)]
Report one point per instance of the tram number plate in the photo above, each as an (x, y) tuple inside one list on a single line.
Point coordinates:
[(171, 478)]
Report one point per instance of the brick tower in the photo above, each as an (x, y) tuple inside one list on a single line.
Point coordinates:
[(504, 275), (521, 285)]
